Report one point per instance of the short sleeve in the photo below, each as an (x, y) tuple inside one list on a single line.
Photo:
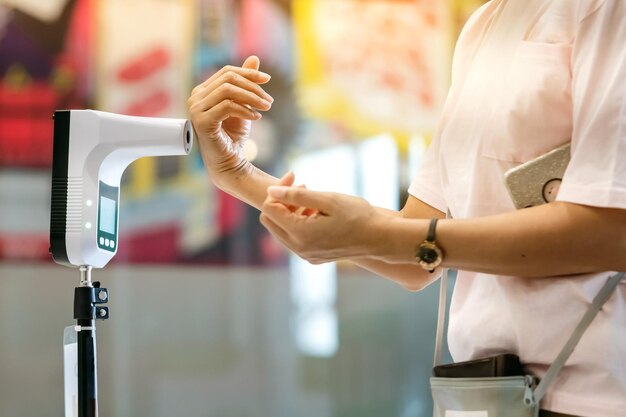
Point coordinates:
[(596, 174), (426, 185)]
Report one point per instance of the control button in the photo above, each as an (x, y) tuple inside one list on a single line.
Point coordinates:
[(101, 240), (106, 242), (112, 244)]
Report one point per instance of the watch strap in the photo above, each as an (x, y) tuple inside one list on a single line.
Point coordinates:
[(430, 237)]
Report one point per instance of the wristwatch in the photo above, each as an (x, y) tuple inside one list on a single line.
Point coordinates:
[(429, 255)]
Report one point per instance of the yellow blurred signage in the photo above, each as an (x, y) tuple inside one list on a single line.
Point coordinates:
[(373, 65)]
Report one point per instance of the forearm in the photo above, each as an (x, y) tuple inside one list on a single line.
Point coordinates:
[(411, 276), (549, 240), (248, 185)]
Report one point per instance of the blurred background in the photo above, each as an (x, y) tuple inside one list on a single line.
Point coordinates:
[(209, 315)]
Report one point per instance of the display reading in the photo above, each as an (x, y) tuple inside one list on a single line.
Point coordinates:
[(108, 209)]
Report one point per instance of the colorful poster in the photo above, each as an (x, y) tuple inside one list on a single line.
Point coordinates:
[(44, 66), (144, 59), (374, 66), (265, 30), (216, 35), (145, 69)]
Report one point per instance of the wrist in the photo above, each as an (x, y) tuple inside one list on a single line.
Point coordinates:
[(429, 254), (248, 184), (383, 238), (227, 177), (400, 242), (223, 167)]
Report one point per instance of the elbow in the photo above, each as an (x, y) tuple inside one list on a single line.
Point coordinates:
[(417, 282), (413, 286)]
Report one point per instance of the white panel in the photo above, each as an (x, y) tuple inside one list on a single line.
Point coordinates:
[(313, 287), (378, 171)]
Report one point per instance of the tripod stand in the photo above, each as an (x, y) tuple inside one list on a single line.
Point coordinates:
[(88, 297)]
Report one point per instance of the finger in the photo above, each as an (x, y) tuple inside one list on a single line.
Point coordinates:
[(229, 108), (287, 179), (298, 196), (276, 231), (298, 211), (233, 79), (283, 237), (230, 92), (280, 213), (253, 75), (305, 211), (288, 219), (252, 62)]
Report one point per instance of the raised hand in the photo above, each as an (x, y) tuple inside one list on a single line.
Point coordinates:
[(221, 110)]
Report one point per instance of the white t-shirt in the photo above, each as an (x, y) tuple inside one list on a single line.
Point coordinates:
[(527, 76)]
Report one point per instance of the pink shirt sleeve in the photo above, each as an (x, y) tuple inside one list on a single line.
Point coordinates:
[(426, 185), (596, 175)]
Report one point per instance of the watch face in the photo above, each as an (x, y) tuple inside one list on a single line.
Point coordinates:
[(429, 255)]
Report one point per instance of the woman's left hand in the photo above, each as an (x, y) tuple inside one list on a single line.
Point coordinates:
[(320, 226)]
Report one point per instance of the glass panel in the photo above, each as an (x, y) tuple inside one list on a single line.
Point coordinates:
[(108, 209)]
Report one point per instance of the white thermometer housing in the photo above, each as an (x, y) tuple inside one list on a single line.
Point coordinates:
[(91, 151)]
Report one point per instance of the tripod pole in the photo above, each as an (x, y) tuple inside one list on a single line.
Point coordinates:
[(86, 296)]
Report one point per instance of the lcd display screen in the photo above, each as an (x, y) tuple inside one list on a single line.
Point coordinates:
[(108, 209)]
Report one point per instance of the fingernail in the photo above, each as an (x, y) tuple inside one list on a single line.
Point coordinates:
[(265, 75), (268, 98), (266, 103), (276, 191), (257, 114)]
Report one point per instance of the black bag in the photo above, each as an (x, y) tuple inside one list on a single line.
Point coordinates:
[(507, 364)]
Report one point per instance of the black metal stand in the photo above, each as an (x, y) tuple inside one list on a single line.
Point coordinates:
[(87, 298)]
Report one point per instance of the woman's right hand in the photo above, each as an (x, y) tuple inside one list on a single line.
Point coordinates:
[(221, 110)]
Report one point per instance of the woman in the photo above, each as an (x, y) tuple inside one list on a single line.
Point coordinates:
[(528, 76)]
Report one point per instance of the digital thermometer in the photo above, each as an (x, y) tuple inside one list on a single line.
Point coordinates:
[(91, 151)]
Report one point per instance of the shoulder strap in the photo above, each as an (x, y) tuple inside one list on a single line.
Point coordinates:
[(599, 300), (573, 340), (441, 317), (441, 313)]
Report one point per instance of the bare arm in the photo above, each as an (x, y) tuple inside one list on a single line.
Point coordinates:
[(249, 185), (410, 275), (252, 189), (553, 239), (549, 240), (222, 109)]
